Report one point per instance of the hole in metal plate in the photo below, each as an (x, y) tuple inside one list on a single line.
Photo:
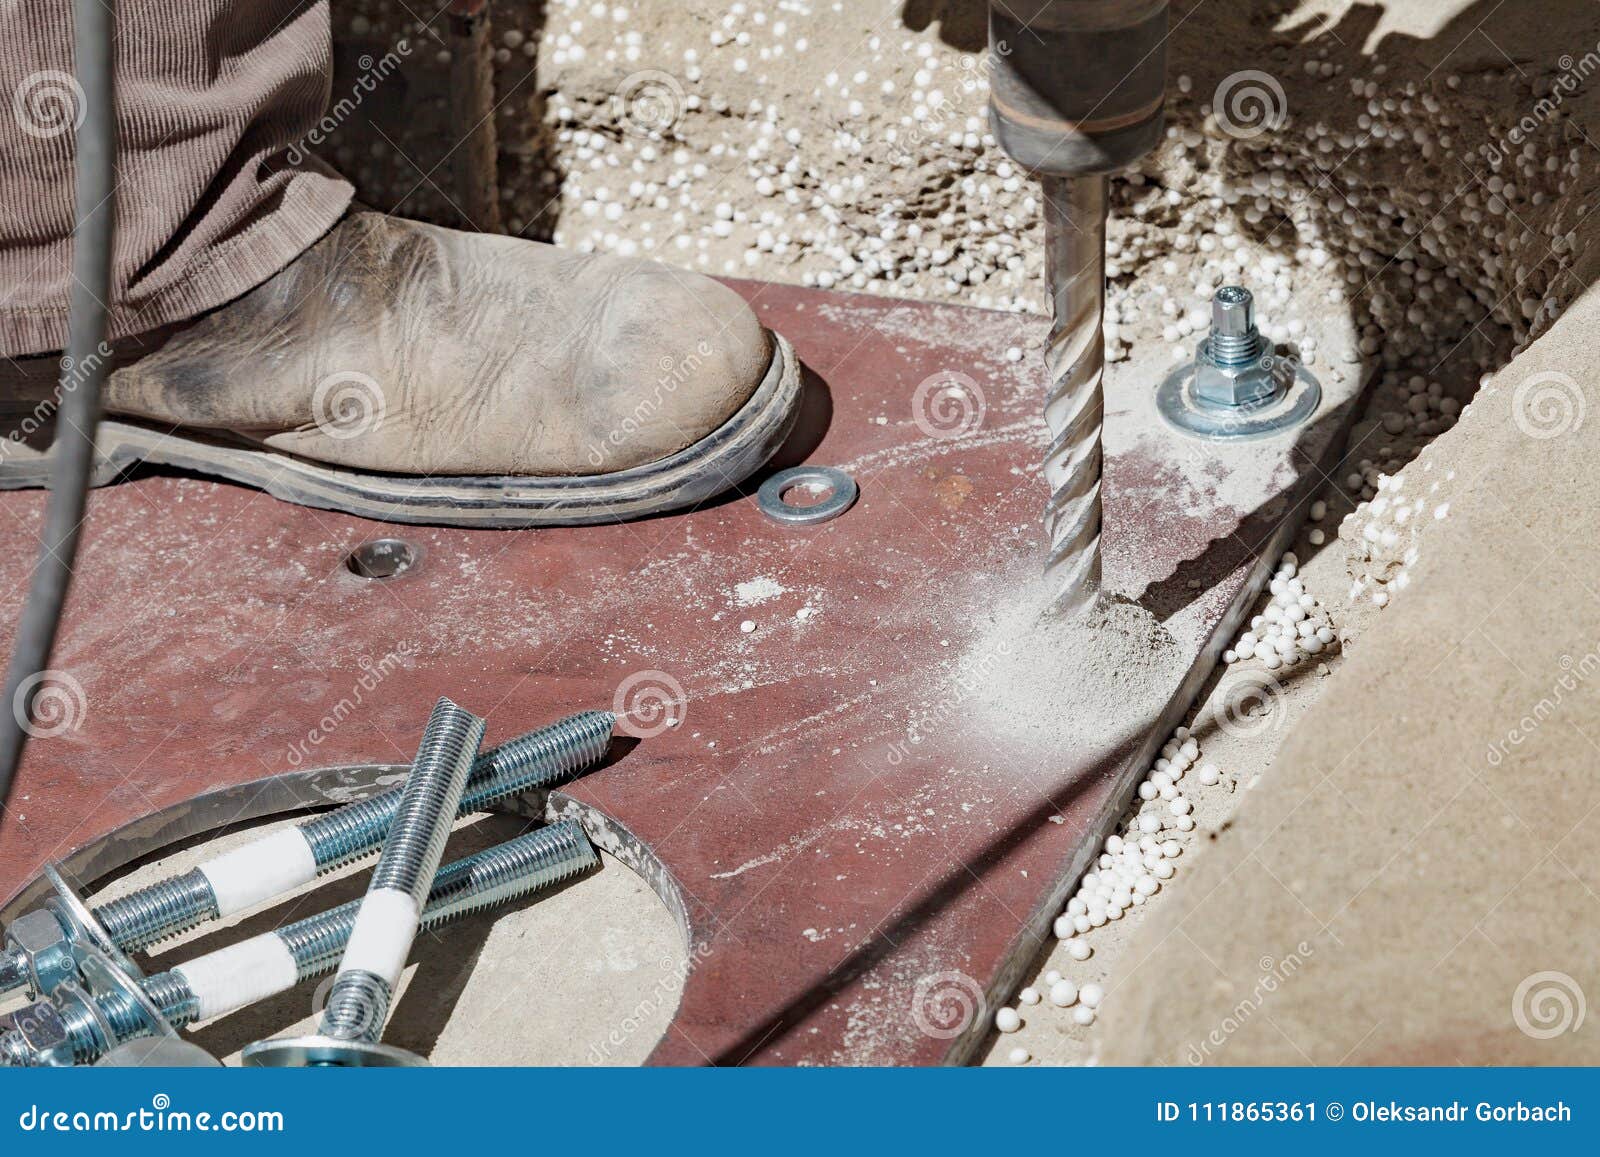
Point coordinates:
[(382, 558)]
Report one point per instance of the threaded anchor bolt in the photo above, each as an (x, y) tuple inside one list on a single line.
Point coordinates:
[(376, 955), (1229, 369), (537, 759), (202, 988), (1234, 339)]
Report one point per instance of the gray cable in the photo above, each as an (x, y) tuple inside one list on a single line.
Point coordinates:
[(82, 375)]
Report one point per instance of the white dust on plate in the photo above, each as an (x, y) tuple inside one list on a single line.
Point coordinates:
[(793, 846), (1025, 430), (756, 591), (1070, 685)]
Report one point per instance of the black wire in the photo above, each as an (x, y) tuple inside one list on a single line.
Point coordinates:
[(83, 372)]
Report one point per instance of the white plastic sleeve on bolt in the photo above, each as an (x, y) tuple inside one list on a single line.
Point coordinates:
[(260, 870), (386, 924), (239, 975)]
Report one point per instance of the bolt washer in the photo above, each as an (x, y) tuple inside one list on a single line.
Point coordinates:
[(1183, 410), (89, 938), (303, 1052), (770, 497)]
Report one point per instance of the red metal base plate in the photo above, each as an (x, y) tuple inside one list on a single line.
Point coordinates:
[(834, 857)]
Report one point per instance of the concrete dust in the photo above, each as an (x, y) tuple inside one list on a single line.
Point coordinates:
[(1046, 679)]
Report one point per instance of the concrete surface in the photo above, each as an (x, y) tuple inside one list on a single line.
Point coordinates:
[(1425, 848), (1503, 83)]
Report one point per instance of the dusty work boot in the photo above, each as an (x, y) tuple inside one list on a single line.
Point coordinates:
[(402, 371)]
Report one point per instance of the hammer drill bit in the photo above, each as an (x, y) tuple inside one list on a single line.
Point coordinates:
[(1075, 262), (1076, 91)]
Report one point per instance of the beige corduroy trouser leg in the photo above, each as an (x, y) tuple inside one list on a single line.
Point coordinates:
[(211, 95)]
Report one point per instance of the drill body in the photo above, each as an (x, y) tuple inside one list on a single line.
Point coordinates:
[(1077, 87)]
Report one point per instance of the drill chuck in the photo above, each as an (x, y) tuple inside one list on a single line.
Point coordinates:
[(1077, 87)]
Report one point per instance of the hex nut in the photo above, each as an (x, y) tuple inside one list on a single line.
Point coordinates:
[(1257, 381), (46, 946), (42, 1030)]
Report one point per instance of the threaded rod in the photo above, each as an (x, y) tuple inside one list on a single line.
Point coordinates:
[(358, 1003), (346, 834), (496, 875)]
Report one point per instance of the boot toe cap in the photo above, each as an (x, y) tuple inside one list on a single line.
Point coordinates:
[(677, 356)]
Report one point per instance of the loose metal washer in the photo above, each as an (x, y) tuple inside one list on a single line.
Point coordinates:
[(843, 493)]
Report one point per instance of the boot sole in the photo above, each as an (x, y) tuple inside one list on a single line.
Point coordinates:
[(716, 463)]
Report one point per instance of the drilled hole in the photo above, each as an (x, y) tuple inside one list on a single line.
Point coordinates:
[(382, 558)]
